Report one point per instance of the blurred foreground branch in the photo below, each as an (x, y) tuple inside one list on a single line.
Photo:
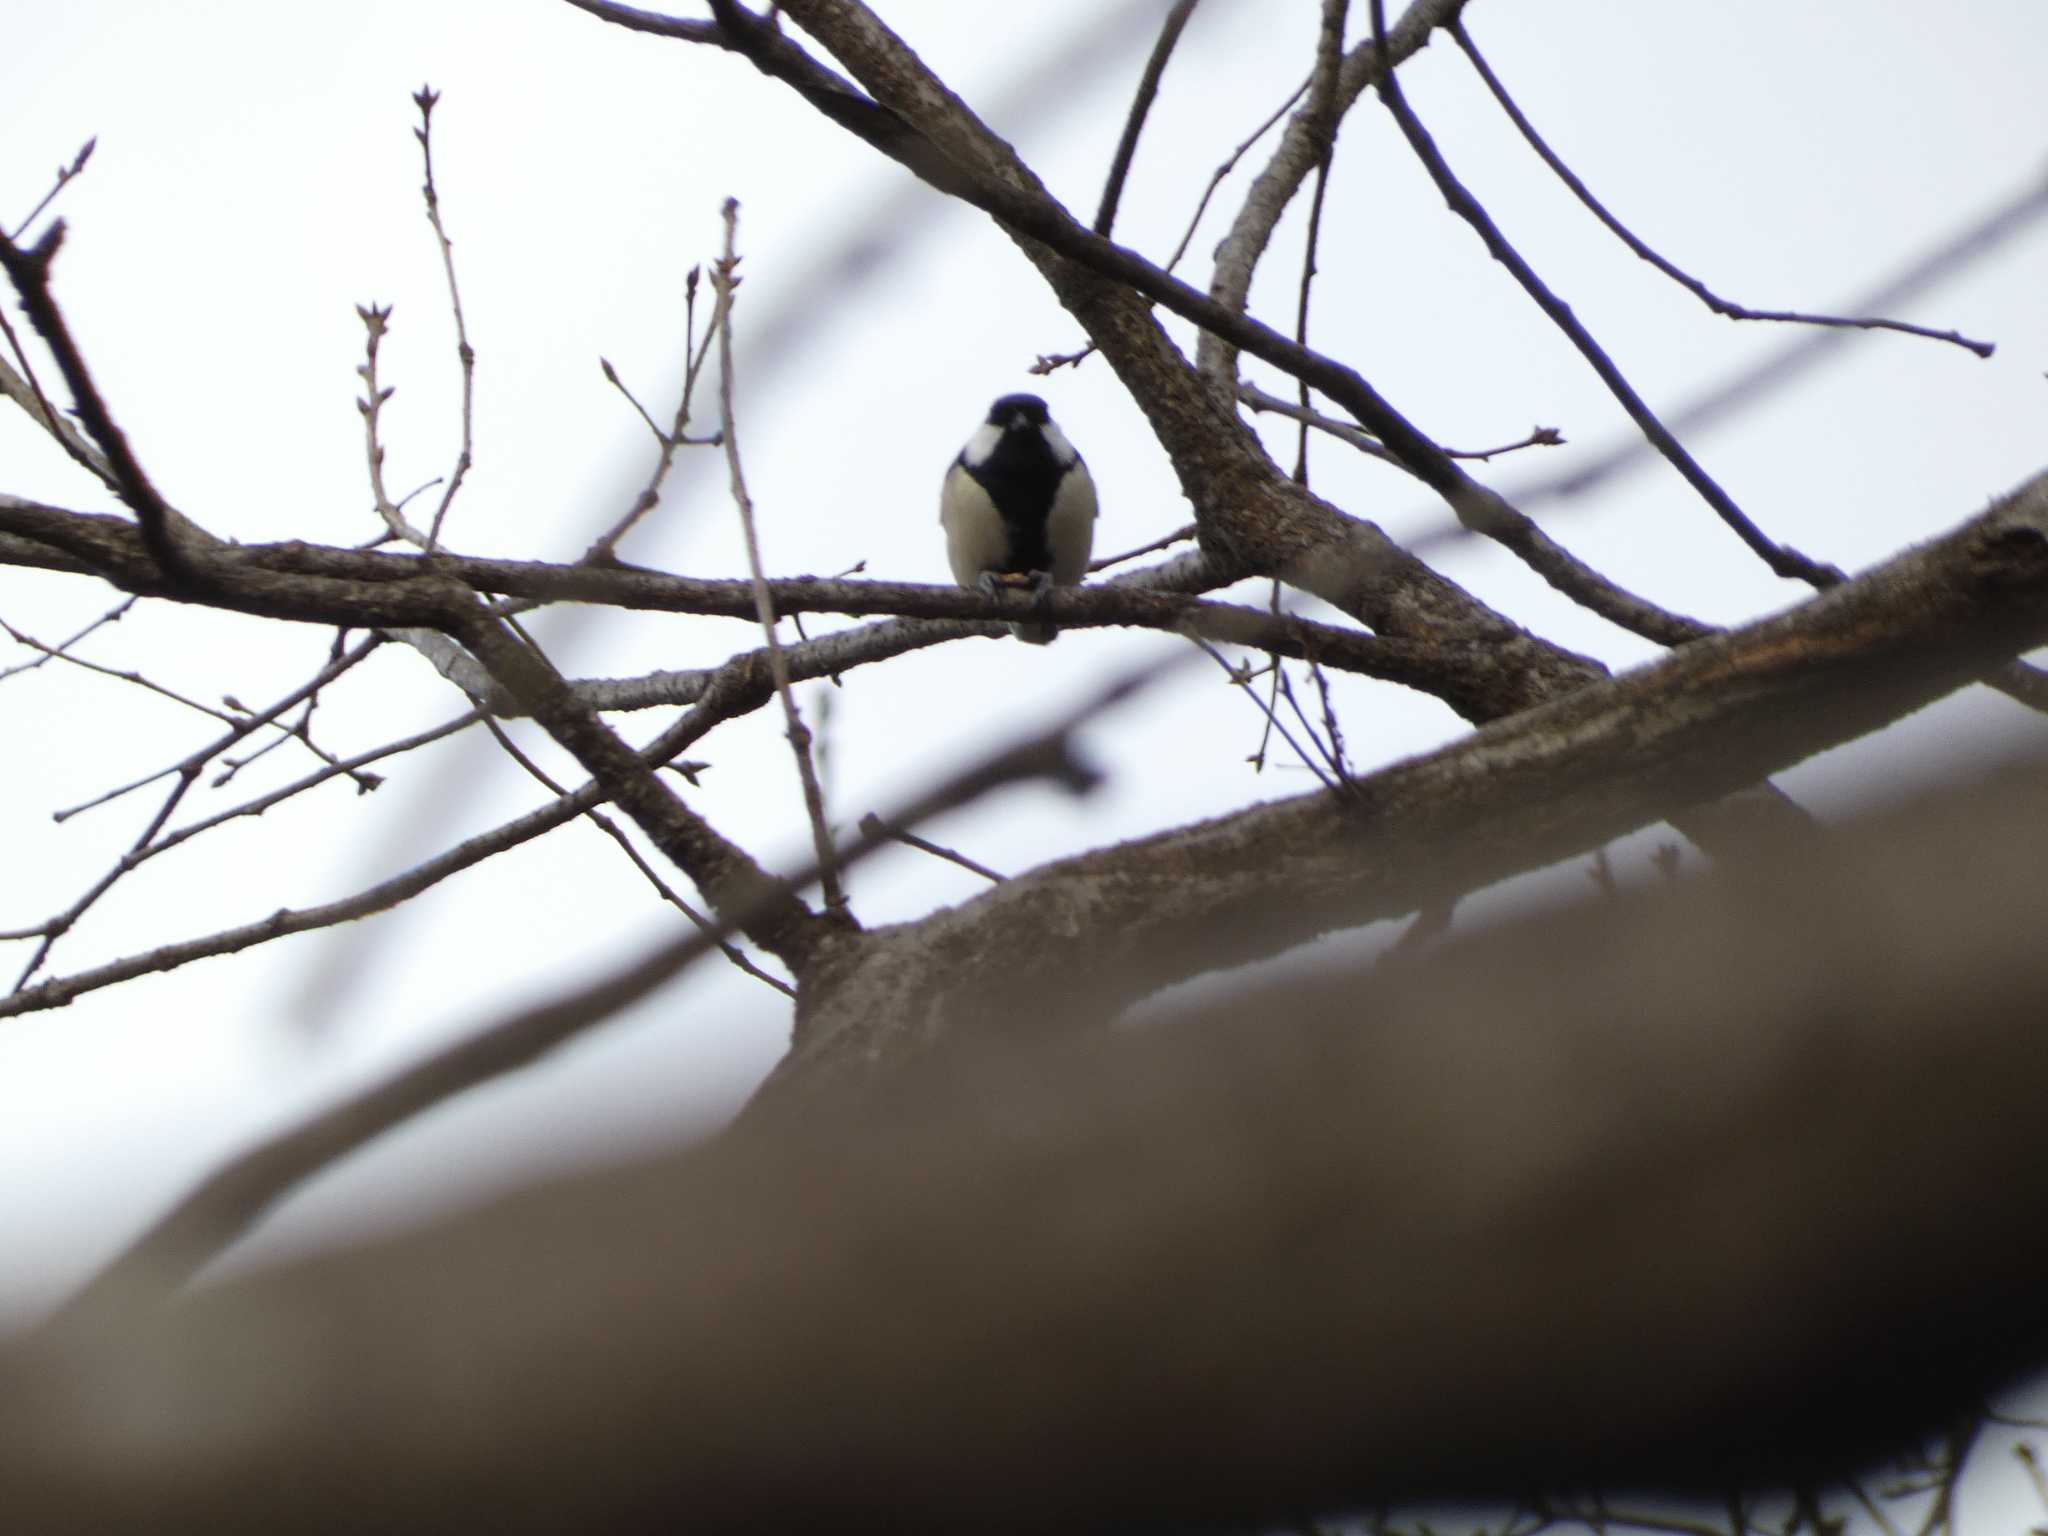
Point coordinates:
[(1734, 1180)]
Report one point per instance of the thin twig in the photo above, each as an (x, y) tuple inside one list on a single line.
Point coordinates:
[(1185, 531), (186, 772), (611, 829), (239, 730), (603, 549), (1356, 437), (1782, 559), (65, 175), (1692, 285), (873, 826), (166, 841), (1052, 362), (1321, 115), (1229, 164), (113, 615), (228, 1202), (1993, 230), (1308, 273), (1333, 729), (376, 320), (1353, 436), (1332, 752), (1241, 677), (1273, 670), (724, 280), (728, 690), (59, 653), (1537, 437), (1141, 107), (424, 98), (349, 767)]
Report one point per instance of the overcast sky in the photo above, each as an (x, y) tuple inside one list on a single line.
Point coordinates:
[(257, 177)]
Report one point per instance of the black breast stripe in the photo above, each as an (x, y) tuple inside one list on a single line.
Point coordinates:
[(1020, 478)]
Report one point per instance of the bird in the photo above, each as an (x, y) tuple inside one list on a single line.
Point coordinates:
[(1018, 507)]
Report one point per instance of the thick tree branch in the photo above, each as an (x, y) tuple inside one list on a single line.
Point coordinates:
[(1456, 1233), (264, 577), (745, 896), (29, 271), (1251, 517), (1711, 717)]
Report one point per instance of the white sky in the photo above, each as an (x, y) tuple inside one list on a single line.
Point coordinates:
[(257, 177)]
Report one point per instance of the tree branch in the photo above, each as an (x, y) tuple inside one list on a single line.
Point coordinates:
[(1781, 558), (1141, 106), (1193, 1278), (1685, 280), (1521, 793), (237, 1195)]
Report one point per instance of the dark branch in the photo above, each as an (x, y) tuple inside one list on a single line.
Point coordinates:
[(1685, 280), (29, 271), (1782, 559), (1141, 107)]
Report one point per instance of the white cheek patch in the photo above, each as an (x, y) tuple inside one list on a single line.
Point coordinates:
[(982, 444), (1056, 440)]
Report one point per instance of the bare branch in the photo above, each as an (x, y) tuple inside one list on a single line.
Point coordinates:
[(185, 773), (1241, 677), (873, 826), (1165, 541), (1067, 1315), (29, 270), (26, 391), (240, 727), (119, 674), (300, 581), (732, 952), (1522, 793), (1299, 150), (465, 355), (736, 685), (1782, 559), (1141, 106), (724, 281), (1250, 394), (237, 1195), (65, 175), (113, 615), (743, 894), (1691, 284), (604, 549), (376, 320)]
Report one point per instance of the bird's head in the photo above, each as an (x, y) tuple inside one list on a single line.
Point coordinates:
[(1018, 412)]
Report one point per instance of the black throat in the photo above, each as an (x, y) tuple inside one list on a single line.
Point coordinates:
[(1021, 477)]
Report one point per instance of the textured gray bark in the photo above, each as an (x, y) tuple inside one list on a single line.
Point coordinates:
[(1088, 934)]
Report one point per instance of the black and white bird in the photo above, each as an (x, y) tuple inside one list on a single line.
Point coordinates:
[(1018, 508)]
